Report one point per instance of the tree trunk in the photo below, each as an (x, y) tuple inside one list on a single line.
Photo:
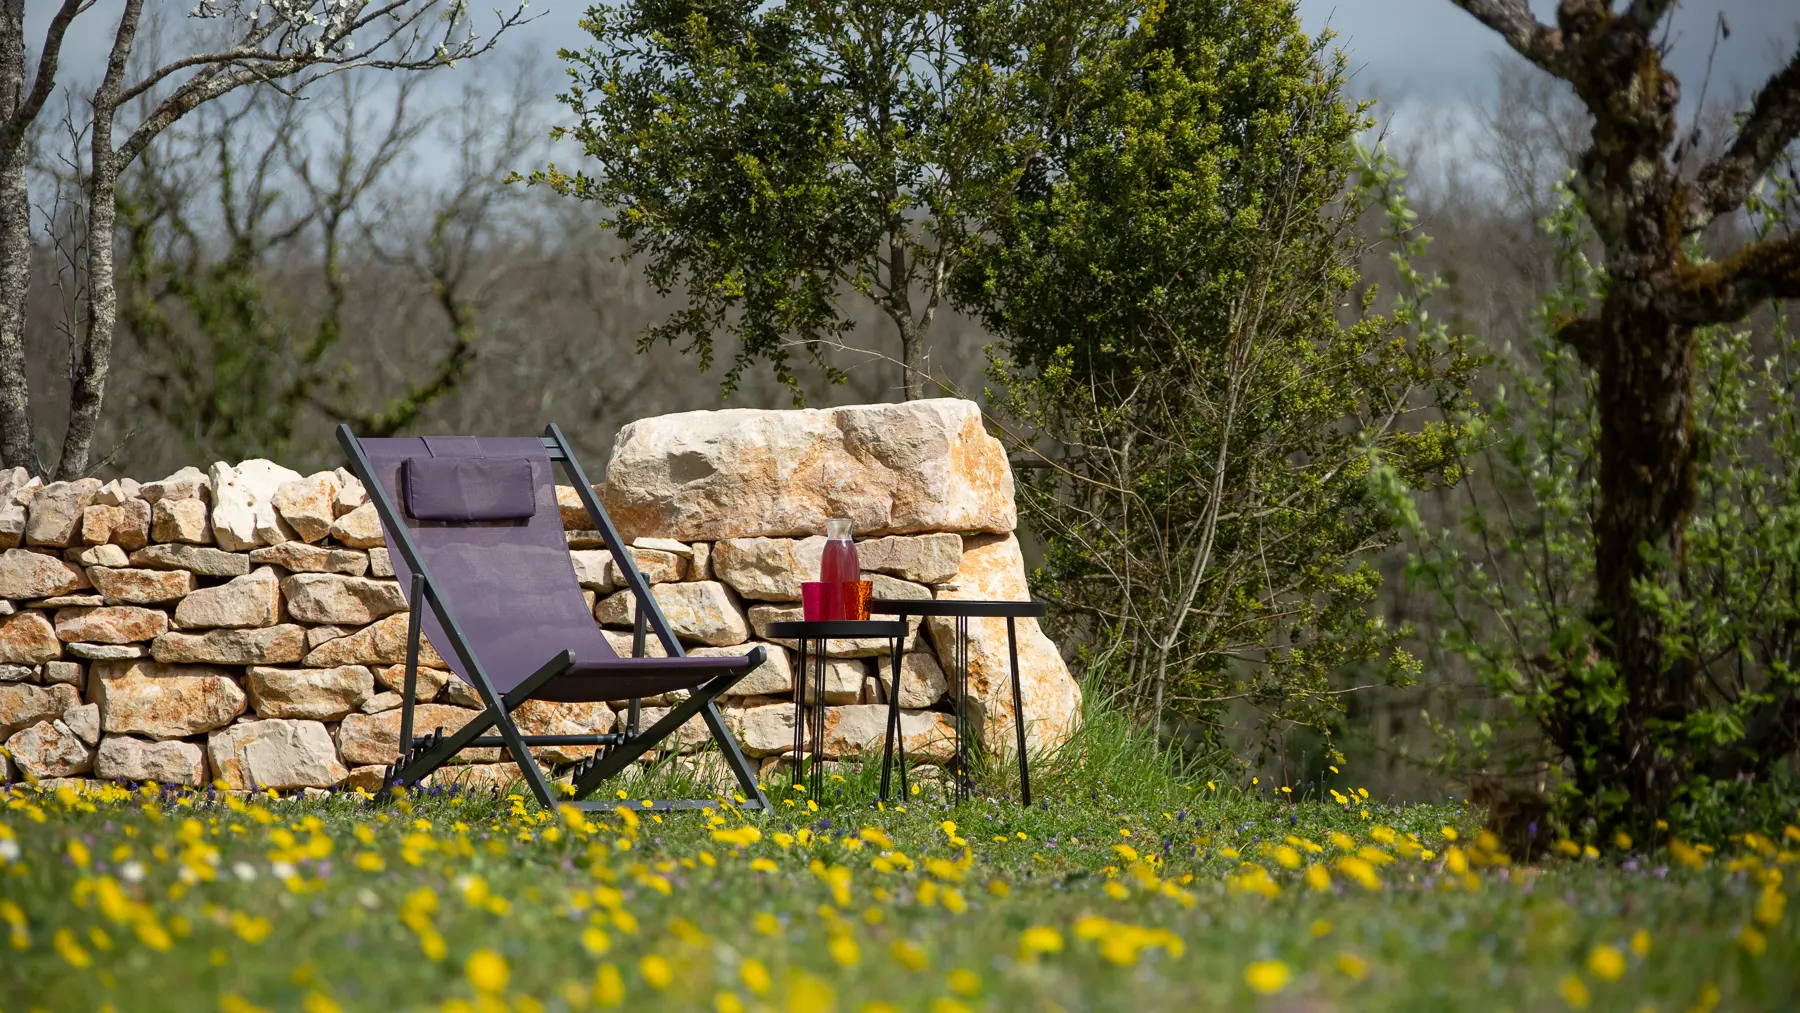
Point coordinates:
[(912, 361), (18, 447)]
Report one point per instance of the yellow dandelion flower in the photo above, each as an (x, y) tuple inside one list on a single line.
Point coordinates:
[(595, 940), (809, 994), (844, 950), (909, 955), (319, 1002), (880, 1007), (755, 975), (1622, 840), (1753, 942), (964, 982), (1352, 966), (1320, 928), (1266, 977), (1573, 990), (1606, 963), (487, 971), (727, 1002), (767, 924), (656, 970), (609, 985), (1640, 944)]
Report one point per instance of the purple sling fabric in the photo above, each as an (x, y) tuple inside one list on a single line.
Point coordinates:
[(469, 488), (511, 586)]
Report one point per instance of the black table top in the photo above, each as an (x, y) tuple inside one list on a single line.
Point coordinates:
[(837, 629), (956, 607)]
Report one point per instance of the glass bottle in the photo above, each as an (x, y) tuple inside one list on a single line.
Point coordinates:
[(839, 564)]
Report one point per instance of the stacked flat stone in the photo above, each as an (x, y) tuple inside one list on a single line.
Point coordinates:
[(243, 625)]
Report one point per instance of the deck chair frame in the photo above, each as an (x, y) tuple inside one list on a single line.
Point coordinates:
[(422, 755)]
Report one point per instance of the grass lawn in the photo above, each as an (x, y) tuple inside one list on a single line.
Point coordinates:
[(1127, 889)]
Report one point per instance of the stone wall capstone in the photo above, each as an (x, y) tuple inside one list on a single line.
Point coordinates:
[(241, 623)]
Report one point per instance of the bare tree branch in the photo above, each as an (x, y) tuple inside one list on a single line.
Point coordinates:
[(1772, 125), (1534, 40), (13, 130), (1727, 291)]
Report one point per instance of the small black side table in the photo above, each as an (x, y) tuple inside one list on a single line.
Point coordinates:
[(962, 612), (819, 634)]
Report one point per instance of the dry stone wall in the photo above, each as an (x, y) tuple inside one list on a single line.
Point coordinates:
[(243, 624)]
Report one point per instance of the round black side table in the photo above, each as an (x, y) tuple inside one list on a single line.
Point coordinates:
[(819, 634), (962, 612)]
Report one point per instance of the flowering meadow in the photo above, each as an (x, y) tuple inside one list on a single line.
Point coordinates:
[(1102, 896)]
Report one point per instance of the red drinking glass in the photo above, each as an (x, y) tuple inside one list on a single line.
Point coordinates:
[(820, 601)]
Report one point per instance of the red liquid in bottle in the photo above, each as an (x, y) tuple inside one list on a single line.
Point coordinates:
[(839, 564)]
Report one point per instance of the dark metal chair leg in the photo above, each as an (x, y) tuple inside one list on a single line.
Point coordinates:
[(1012, 656), (799, 713), (893, 725)]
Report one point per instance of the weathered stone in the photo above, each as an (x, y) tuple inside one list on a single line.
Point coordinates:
[(181, 520), (544, 717), (586, 539), (480, 777), (891, 468), (96, 555), (25, 575), (993, 569), (658, 567), (68, 601), (669, 545), (761, 616), (8, 608), (84, 721), (427, 682), (117, 492), (23, 705), (922, 680), (50, 749), (131, 529), (593, 569), (299, 557), (860, 729), (188, 483), (199, 561), (375, 738), (692, 735), (872, 691), (316, 635), (360, 528), (703, 611), (305, 504), (141, 587), (244, 514), (70, 672), (17, 487), (775, 675), (380, 563), (762, 729), (319, 694), (56, 512), (381, 702), (18, 673), (124, 758), (768, 569), (653, 648), (251, 600), (460, 693), (275, 754), (164, 701), (111, 624), (700, 564), (350, 493), (383, 643), (27, 638), (109, 652), (895, 589), (334, 598), (269, 645), (843, 681), (574, 514), (97, 522), (365, 778)]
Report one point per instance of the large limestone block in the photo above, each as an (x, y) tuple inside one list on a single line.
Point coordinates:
[(25, 575), (334, 598), (306, 504), (188, 483), (375, 738), (50, 749), (97, 555), (693, 734), (383, 643), (110, 624), (922, 680), (360, 528), (774, 676), (993, 569), (860, 729), (164, 701), (768, 569), (544, 717), (117, 492), (17, 487), (97, 524), (84, 721), (27, 638), (593, 569), (299, 557), (427, 682), (141, 587), (131, 528), (63, 671), (739, 473), (923, 559), (653, 648), (186, 521), (18, 673), (202, 562), (843, 681), (705, 612), (380, 564), (244, 514), (56, 512), (761, 728), (124, 758), (275, 754), (109, 652), (248, 601), (23, 705), (350, 494), (574, 514), (268, 645), (317, 694)]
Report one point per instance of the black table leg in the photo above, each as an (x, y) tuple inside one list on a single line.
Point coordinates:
[(799, 714), (818, 753), (894, 732), (963, 777), (1012, 655)]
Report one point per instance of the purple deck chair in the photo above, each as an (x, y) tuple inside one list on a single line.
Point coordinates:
[(477, 544)]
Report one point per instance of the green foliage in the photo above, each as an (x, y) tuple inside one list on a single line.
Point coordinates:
[(1221, 422), (1515, 577)]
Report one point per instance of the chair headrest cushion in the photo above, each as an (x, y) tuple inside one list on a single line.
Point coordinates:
[(469, 488)]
